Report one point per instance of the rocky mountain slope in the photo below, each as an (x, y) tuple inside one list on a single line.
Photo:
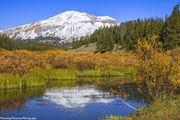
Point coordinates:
[(65, 26)]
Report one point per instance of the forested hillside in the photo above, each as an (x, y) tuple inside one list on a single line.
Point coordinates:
[(127, 34)]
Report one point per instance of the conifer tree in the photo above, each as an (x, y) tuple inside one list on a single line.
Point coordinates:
[(104, 41), (170, 34)]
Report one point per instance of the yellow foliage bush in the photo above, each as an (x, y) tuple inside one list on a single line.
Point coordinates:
[(157, 70)]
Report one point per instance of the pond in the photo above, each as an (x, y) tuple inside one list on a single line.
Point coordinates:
[(85, 102)]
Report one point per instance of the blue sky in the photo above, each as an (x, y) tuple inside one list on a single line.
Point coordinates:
[(18, 12)]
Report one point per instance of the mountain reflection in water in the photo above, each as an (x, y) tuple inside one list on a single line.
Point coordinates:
[(70, 103), (77, 96)]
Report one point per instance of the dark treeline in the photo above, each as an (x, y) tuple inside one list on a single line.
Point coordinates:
[(9, 44), (127, 34)]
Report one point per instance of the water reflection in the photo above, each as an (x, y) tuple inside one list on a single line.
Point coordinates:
[(16, 98), (71, 103), (77, 96)]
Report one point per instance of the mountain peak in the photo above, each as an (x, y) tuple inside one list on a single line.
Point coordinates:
[(66, 26), (71, 12)]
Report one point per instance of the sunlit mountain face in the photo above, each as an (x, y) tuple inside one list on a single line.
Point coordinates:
[(77, 97), (65, 26)]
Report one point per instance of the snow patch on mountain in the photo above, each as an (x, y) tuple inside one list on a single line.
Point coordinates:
[(66, 26)]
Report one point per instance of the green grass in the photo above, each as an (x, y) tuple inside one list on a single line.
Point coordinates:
[(100, 73), (41, 77), (167, 110), (61, 74), (91, 48), (123, 72), (10, 81)]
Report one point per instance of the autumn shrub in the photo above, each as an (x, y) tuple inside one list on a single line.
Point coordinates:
[(157, 70), (62, 63), (20, 61), (85, 65)]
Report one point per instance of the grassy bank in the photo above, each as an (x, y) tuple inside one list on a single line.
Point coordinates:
[(167, 110), (41, 77), (123, 72)]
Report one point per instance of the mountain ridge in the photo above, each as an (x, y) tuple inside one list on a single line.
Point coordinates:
[(66, 26)]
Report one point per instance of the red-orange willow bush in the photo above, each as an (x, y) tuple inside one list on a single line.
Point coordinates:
[(22, 61)]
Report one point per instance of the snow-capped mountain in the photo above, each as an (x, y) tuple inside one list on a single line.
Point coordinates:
[(66, 26)]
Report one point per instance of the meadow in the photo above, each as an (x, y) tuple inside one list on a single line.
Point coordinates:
[(26, 69), (23, 68)]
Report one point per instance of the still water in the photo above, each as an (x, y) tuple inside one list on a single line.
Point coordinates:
[(85, 102)]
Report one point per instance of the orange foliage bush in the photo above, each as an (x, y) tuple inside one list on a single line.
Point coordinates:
[(22, 61), (85, 65)]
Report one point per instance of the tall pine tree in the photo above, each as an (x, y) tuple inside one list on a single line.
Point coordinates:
[(170, 34), (105, 41)]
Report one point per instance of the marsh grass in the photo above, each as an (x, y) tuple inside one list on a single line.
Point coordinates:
[(61, 74), (10, 81), (40, 77), (122, 72)]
